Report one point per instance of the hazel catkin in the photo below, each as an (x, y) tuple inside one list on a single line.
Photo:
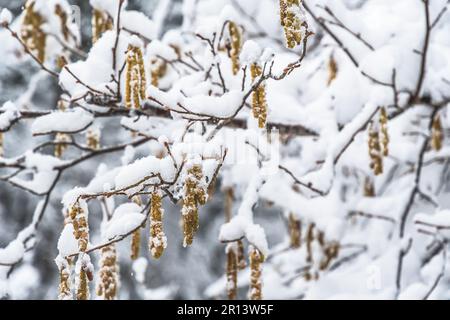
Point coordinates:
[(259, 102), (158, 240)]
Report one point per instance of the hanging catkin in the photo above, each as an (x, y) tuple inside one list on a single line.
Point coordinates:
[(232, 270), (194, 195), (65, 291), (101, 22), (93, 139), (259, 103), (256, 260), (136, 237), (158, 240), (158, 70), (31, 31), (437, 136), (384, 131), (83, 270), (376, 159), (107, 287), (61, 144), (294, 231), (369, 188), (135, 78), (291, 21), (63, 19), (332, 70), (236, 45), (80, 226), (309, 243), (242, 264)]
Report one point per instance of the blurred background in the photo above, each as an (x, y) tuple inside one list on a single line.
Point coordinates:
[(181, 273)]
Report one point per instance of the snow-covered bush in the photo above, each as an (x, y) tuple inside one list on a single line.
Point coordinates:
[(333, 112)]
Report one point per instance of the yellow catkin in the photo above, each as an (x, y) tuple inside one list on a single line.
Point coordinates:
[(232, 270), (107, 287), (101, 22), (83, 287), (259, 102), (135, 78), (290, 16), (294, 231), (194, 195), (158, 70), (80, 226), (256, 260), (158, 240), (369, 188), (375, 154), (61, 144), (229, 196), (63, 18), (242, 264), (31, 31), (332, 70), (65, 291), (93, 139), (236, 45), (384, 131), (437, 135), (309, 243), (135, 244), (84, 271), (136, 237)]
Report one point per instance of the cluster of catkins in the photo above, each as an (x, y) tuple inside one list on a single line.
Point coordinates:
[(236, 260), (319, 252), (135, 79), (194, 195), (259, 103), (157, 241), (292, 21), (378, 142), (31, 31)]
